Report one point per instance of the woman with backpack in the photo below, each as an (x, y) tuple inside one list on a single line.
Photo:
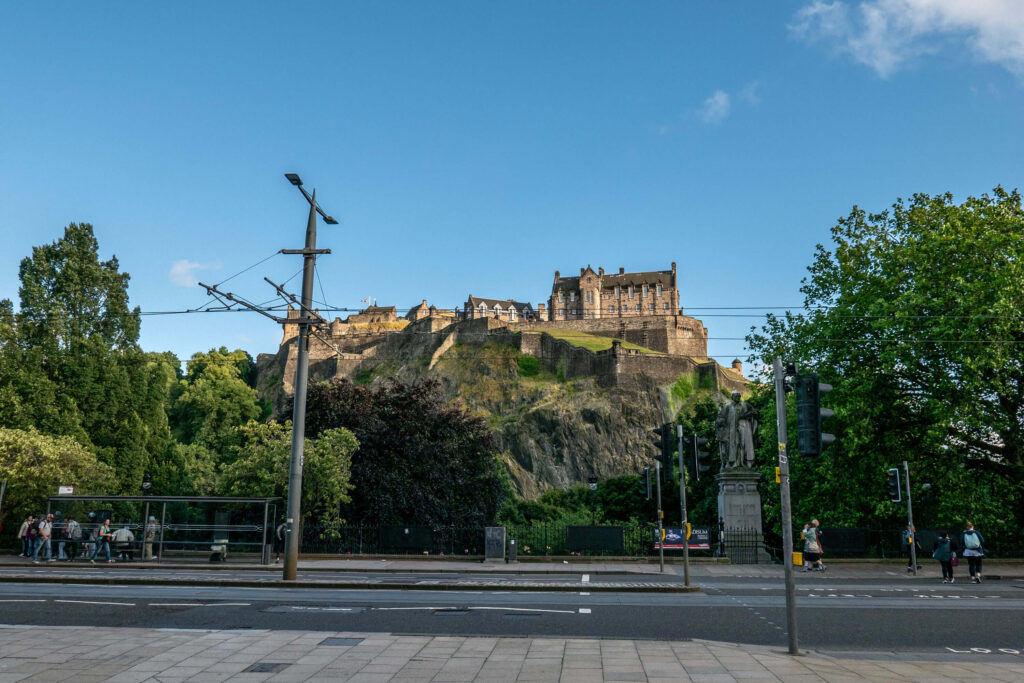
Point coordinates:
[(972, 541), (944, 550)]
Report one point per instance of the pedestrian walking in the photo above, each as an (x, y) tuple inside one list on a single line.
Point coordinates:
[(73, 532), (279, 536), (944, 551), (910, 536), (148, 536), (24, 537), (102, 540), (812, 551), (45, 528), (973, 543)]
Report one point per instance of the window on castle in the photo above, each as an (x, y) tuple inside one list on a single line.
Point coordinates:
[(638, 308), (618, 292), (645, 291), (650, 307), (666, 305), (483, 309), (589, 296), (560, 296), (631, 291), (611, 309), (572, 296), (512, 314), (659, 290)]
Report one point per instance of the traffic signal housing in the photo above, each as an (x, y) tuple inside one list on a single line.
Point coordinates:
[(701, 457), (663, 442), (645, 482), (892, 485), (810, 439)]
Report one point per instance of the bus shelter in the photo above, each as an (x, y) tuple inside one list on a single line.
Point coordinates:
[(193, 517)]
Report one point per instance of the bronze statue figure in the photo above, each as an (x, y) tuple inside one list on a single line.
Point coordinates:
[(735, 427)]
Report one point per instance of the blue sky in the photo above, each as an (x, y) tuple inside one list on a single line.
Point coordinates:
[(470, 147)]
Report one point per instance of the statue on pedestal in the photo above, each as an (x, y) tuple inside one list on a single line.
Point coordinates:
[(735, 427)]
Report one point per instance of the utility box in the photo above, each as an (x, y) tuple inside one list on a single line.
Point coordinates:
[(494, 543)]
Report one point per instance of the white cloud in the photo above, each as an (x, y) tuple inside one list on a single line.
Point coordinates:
[(183, 272), (886, 34), (716, 107), (749, 93)]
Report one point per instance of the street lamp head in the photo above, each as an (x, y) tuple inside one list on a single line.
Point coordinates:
[(330, 221), (294, 179)]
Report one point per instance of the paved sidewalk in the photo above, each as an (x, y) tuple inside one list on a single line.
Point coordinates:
[(128, 655)]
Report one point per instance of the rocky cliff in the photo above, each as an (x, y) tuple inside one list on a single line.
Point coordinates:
[(553, 431)]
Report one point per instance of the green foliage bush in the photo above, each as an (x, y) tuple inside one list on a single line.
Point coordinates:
[(529, 366)]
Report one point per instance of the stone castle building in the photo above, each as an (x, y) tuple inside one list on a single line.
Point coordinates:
[(591, 296), (639, 308)]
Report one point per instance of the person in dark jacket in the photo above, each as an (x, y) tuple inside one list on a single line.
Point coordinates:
[(972, 542), (943, 551)]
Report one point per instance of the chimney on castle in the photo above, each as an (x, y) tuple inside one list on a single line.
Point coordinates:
[(582, 270), (737, 365), (673, 267), (600, 270), (557, 274), (621, 270)]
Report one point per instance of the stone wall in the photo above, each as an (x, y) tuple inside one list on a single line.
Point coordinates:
[(678, 335)]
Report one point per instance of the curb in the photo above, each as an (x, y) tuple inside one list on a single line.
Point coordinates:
[(441, 586)]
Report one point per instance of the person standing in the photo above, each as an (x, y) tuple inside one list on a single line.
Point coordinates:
[(812, 551), (24, 537), (972, 541), (45, 531), (32, 534), (102, 540), (816, 528), (73, 532), (943, 551), (910, 536), (149, 535)]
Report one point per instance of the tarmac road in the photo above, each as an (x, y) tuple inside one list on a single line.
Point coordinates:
[(834, 615)]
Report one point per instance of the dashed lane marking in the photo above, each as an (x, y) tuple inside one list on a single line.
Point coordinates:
[(96, 602)]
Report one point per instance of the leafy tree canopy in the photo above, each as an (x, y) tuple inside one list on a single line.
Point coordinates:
[(35, 465), (914, 316), (419, 461), (261, 465)]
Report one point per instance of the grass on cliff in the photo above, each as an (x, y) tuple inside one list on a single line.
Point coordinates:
[(591, 342)]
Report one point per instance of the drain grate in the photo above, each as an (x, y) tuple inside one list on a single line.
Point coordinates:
[(266, 667), (341, 641)]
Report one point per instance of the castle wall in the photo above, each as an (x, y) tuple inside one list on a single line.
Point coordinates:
[(678, 335)]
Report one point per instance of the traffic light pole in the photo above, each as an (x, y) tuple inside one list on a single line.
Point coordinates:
[(661, 528), (682, 508), (912, 532), (787, 511)]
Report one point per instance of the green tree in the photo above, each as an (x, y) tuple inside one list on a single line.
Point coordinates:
[(913, 315), (419, 460), (36, 464), (77, 369), (213, 399), (261, 465)]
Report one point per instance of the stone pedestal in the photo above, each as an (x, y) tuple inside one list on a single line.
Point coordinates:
[(739, 517)]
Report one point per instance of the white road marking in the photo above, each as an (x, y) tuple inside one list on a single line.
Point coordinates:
[(391, 609), (586, 578), (229, 604), (91, 602), (584, 610), (584, 593), (22, 600)]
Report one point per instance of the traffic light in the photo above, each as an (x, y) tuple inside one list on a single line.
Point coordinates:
[(701, 458), (645, 482), (810, 439), (663, 442), (893, 487)]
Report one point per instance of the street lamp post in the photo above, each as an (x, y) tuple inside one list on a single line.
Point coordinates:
[(293, 515)]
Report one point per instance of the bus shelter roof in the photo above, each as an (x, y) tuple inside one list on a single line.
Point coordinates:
[(164, 499)]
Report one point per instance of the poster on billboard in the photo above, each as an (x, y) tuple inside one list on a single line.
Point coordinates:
[(700, 538)]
